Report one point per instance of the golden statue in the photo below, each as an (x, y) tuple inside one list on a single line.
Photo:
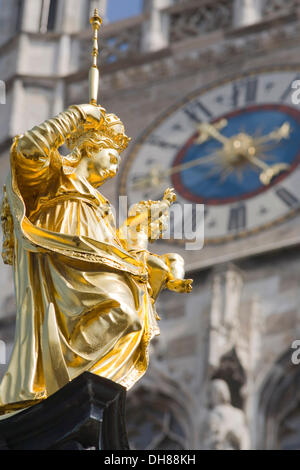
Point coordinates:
[(85, 291)]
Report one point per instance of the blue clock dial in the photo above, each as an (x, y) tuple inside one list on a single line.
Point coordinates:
[(233, 146), (220, 177)]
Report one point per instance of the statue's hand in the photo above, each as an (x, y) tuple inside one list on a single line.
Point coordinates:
[(180, 285), (170, 196), (94, 114)]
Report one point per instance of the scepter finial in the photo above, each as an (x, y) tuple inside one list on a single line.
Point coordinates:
[(94, 75)]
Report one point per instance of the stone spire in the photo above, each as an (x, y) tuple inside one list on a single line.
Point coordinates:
[(156, 28)]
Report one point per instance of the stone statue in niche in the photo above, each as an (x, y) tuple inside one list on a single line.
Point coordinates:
[(226, 424)]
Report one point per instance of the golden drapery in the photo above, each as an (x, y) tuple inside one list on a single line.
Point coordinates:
[(83, 301)]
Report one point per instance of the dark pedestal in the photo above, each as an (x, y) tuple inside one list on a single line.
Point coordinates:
[(88, 413)]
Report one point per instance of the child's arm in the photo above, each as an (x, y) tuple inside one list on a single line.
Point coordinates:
[(176, 281)]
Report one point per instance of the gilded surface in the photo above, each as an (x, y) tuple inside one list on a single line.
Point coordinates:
[(85, 291)]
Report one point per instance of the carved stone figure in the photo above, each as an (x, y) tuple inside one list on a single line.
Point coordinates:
[(226, 424)]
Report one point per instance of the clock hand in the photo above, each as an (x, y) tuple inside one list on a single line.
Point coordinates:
[(191, 164), (212, 130), (205, 128), (282, 132), (258, 162), (267, 175), (269, 171), (155, 177)]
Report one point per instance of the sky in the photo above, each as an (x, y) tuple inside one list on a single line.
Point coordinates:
[(120, 9)]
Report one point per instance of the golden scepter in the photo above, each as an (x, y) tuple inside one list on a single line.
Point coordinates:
[(94, 76)]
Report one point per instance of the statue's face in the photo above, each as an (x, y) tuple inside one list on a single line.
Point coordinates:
[(107, 162), (99, 158), (103, 165)]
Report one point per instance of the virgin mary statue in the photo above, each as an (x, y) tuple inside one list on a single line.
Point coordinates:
[(85, 295)]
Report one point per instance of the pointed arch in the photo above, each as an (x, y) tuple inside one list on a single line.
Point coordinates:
[(231, 371), (160, 414), (278, 409)]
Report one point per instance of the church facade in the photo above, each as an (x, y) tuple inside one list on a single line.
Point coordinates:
[(222, 373)]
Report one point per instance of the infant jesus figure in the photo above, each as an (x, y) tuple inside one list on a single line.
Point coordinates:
[(85, 291)]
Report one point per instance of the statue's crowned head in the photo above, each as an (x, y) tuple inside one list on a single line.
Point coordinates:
[(99, 148)]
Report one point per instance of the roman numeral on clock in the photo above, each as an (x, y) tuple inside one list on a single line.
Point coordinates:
[(251, 90), (246, 91), (195, 111), (237, 218), (158, 142), (288, 198)]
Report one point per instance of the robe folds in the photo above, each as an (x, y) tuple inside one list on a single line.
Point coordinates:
[(83, 302)]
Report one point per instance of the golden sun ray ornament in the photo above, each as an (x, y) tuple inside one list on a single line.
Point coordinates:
[(85, 290)]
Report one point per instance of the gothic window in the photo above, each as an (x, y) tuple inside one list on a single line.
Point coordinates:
[(20, 7), (52, 15), (278, 416), (156, 422), (289, 431), (48, 15)]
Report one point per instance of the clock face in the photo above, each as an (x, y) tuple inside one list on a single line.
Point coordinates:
[(233, 146)]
